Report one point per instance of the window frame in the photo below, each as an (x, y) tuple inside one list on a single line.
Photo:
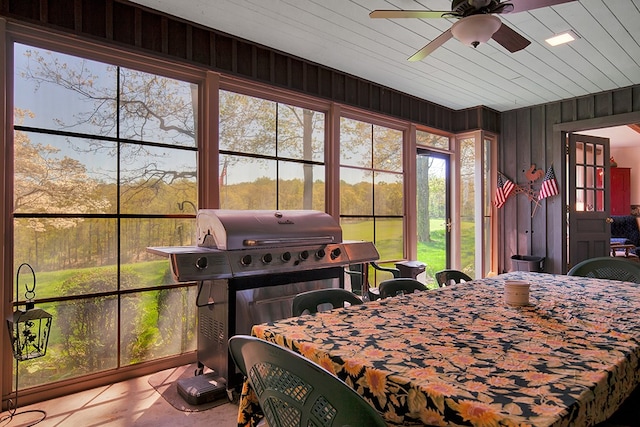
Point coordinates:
[(11, 33)]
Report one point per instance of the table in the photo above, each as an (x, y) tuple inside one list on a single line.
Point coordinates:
[(411, 269), (622, 246), (460, 355)]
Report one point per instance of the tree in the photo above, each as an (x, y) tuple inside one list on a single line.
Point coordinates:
[(47, 182), (119, 102)]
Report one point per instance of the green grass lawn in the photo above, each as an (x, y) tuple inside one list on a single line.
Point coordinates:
[(389, 243)]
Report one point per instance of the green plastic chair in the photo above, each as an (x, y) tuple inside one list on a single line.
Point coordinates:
[(406, 285), (613, 268), (312, 301), (444, 277), (293, 391), (357, 273)]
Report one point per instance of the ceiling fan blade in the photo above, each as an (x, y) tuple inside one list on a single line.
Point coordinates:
[(522, 5), (510, 39), (431, 46), (393, 14)]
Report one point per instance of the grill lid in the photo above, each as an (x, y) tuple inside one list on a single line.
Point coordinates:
[(240, 229)]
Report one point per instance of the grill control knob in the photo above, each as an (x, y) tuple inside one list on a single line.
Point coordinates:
[(246, 260), (335, 253), (286, 257), (304, 255), (201, 263), (267, 258), (320, 254)]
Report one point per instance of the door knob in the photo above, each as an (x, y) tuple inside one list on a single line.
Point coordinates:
[(609, 220), (448, 225)]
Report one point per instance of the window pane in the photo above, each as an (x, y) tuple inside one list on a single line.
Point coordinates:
[(388, 193), (158, 324), (300, 133), (580, 155), (357, 229), (467, 205), (301, 186), (600, 200), (139, 233), (356, 192), (64, 93), (387, 149), (486, 218), (599, 155), (580, 176), (249, 183), (154, 180), (388, 238), (247, 124), (432, 140), (590, 202), (580, 199), (600, 179), (356, 143), (590, 153), (66, 247), (83, 340), (55, 174), (157, 109)]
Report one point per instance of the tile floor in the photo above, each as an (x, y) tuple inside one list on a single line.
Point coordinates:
[(128, 403), (136, 403)]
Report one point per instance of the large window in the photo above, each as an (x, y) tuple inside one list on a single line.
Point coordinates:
[(371, 186), (104, 166), (271, 154), (468, 184), (477, 235)]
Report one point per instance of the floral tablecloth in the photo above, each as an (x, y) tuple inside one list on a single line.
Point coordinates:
[(460, 356)]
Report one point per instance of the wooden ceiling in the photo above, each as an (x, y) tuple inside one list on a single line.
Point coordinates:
[(340, 34)]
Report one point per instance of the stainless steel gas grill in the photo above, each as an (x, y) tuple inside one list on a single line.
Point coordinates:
[(250, 264)]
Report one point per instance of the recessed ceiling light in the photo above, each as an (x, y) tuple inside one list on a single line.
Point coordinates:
[(566, 37)]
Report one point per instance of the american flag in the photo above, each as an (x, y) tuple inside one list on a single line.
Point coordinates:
[(549, 185), (505, 187)]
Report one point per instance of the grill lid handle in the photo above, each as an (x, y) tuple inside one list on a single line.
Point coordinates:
[(289, 241)]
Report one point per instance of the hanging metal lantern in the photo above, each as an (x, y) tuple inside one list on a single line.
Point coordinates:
[(29, 327)]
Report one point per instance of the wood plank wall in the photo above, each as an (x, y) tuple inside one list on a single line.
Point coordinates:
[(119, 22), (533, 136)]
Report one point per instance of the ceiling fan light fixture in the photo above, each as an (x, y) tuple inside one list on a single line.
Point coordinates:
[(558, 39), (475, 29)]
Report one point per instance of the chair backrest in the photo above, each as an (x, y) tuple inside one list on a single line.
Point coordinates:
[(311, 300), (294, 391), (444, 277), (391, 287), (613, 268), (359, 277)]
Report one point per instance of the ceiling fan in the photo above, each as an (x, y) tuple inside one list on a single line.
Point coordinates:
[(477, 23)]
